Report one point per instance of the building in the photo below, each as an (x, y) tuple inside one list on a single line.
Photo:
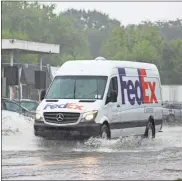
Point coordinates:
[(27, 80), (172, 93), (26, 88)]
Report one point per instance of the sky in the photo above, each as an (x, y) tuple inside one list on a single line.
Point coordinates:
[(129, 12)]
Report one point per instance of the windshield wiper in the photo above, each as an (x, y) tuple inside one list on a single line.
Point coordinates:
[(51, 100), (87, 100)]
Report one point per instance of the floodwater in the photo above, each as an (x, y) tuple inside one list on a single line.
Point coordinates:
[(25, 156)]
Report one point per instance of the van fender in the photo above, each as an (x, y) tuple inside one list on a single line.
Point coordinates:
[(103, 119)]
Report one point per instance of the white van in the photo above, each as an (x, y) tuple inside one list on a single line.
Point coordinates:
[(102, 98)]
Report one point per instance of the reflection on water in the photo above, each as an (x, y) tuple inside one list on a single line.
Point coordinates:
[(90, 168)]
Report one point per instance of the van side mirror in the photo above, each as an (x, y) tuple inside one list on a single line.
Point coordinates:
[(113, 96), (42, 94)]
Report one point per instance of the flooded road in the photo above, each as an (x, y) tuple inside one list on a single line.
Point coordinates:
[(27, 157)]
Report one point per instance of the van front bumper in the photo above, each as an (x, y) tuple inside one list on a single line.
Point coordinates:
[(85, 129)]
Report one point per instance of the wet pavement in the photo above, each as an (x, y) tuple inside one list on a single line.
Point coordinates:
[(27, 157)]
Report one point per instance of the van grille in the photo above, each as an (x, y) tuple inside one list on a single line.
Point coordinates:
[(61, 117)]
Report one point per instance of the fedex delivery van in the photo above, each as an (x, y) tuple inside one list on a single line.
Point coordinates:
[(102, 98)]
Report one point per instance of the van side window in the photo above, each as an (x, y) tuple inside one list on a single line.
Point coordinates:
[(113, 86)]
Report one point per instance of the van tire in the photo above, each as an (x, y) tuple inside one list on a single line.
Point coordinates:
[(38, 134), (150, 131), (104, 132)]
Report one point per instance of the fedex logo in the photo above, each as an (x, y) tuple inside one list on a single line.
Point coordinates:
[(136, 91), (68, 106)]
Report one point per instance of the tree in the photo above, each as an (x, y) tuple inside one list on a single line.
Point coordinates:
[(97, 26), (170, 30), (23, 58), (87, 34), (37, 22), (134, 43)]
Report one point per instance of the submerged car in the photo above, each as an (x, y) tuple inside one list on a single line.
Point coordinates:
[(29, 104), (172, 111), (14, 106)]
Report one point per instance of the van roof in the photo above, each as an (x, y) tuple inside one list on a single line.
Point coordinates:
[(100, 68)]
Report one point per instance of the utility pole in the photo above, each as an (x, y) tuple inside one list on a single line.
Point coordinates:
[(40, 62), (11, 87), (39, 91)]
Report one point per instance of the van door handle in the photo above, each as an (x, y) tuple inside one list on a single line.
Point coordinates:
[(118, 105)]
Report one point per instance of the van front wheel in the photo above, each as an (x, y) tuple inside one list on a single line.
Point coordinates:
[(104, 133)]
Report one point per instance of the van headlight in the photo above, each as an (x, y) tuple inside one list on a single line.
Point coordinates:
[(88, 116), (38, 115)]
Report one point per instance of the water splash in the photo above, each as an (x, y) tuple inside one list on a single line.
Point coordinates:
[(121, 144), (17, 134), (17, 131), (15, 124), (169, 138)]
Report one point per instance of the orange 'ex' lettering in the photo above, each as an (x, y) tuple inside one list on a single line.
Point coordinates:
[(74, 106)]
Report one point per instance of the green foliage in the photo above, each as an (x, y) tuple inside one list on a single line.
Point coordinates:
[(37, 22), (6, 34), (144, 43), (96, 25), (134, 43), (16, 35), (87, 34), (91, 19)]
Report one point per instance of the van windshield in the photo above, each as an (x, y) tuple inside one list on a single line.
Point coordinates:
[(77, 87)]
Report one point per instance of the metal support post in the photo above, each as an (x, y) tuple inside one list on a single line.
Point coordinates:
[(11, 87)]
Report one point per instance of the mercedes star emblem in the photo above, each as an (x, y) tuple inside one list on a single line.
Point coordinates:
[(60, 117)]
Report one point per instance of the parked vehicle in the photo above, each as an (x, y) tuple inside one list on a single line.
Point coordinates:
[(172, 111), (13, 106), (102, 98)]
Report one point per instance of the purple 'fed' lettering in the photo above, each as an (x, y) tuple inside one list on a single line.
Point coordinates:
[(131, 88), (54, 106)]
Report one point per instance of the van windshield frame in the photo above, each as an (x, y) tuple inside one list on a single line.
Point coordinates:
[(77, 87)]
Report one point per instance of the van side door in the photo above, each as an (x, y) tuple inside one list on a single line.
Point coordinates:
[(112, 107)]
